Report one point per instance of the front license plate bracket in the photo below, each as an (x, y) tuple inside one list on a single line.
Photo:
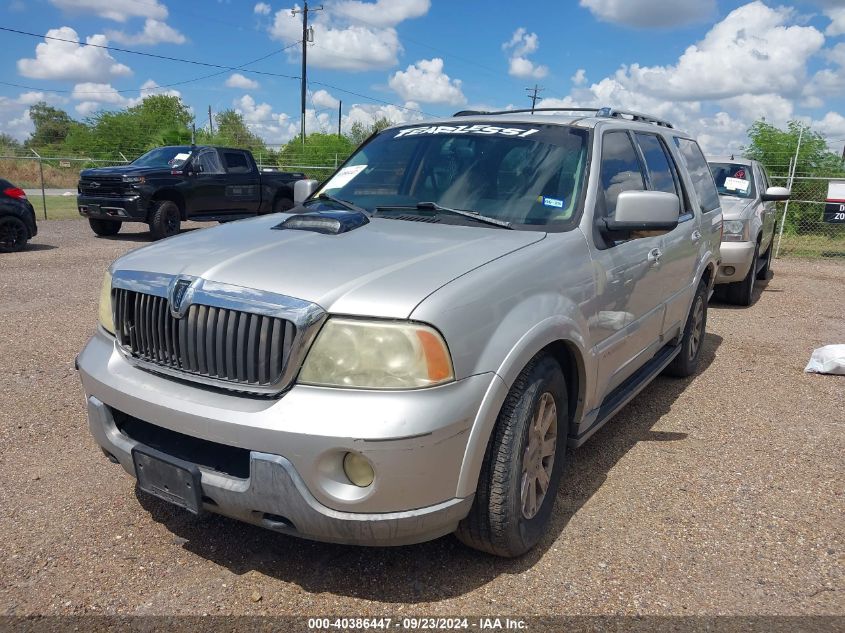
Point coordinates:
[(169, 478)]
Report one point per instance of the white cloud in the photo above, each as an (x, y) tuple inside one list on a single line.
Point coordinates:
[(751, 51), (322, 99), (71, 61), (93, 96), (382, 13), (150, 87), (262, 8), (367, 114), (340, 45), (519, 47), (117, 10), (274, 128), (580, 77), (426, 82), (831, 125), (650, 13), (101, 93), (237, 80), (835, 11), (13, 121), (155, 32)]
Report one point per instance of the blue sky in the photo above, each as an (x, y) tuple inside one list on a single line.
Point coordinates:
[(711, 66)]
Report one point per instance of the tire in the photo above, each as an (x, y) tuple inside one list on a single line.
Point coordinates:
[(763, 273), (686, 362), (165, 220), (503, 520), (13, 234), (741, 293), (104, 227), (282, 204)]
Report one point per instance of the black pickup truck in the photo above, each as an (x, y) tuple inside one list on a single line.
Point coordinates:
[(170, 184)]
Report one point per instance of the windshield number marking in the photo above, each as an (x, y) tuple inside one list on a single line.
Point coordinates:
[(467, 129)]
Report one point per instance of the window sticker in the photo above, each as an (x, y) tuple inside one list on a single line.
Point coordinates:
[(736, 184), (344, 176), (550, 202), (179, 158), (467, 129)]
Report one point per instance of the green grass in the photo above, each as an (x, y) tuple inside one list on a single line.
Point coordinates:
[(58, 207), (812, 246)]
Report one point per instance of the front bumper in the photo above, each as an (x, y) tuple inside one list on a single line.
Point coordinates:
[(736, 255), (127, 209), (416, 441)]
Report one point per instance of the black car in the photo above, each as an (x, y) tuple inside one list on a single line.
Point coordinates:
[(170, 184), (17, 218)]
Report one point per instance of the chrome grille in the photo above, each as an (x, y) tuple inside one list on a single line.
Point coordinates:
[(223, 344)]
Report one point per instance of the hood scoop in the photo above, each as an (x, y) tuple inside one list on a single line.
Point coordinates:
[(325, 222)]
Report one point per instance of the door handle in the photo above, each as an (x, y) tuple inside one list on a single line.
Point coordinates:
[(654, 255), (696, 236)]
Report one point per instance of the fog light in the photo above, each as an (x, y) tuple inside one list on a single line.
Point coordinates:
[(358, 470), (729, 270)]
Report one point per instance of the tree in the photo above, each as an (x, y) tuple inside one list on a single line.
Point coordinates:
[(775, 147), (232, 130), (320, 150), (52, 125), (359, 132), (8, 142)]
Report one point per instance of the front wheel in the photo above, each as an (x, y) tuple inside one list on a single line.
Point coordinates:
[(522, 465), (165, 220), (763, 273), (104, 227), (13, 234), (686, 362), (741, 293)]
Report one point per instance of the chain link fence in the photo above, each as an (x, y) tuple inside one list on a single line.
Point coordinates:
[(802, 228)]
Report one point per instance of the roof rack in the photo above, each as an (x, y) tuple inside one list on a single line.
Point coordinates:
[(605, 112)]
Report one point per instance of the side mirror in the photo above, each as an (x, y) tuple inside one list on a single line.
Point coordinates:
[(302, 189), (776, 194), (651, 211)]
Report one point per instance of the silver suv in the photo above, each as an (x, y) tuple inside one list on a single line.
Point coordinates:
[(748, 203), (410, 351)]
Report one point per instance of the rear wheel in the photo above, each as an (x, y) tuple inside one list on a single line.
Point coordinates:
[(522, 466), (13, 234), (686, 362), (104, 227), (165, 220)]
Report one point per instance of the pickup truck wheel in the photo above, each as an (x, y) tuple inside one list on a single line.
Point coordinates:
[(13, 234), (686, 362), (522, 465), (741, 293), (763, 273), (165, 220), (104, 227)]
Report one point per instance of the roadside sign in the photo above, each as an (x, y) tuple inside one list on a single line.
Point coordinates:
[(834, 207), (64, 163)]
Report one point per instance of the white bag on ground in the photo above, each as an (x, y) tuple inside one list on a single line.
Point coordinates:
[(829, 359)]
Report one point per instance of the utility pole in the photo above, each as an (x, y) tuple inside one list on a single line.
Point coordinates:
[(533, 92), (307, 36), (210, 123), (339, 110)]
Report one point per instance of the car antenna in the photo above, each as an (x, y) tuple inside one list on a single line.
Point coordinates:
[(732, 157)]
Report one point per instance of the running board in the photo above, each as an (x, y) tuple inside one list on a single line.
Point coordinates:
[(625, 392)]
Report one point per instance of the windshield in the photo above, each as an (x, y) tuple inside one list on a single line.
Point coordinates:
[(164, 157), (733, 179), (527, 175)]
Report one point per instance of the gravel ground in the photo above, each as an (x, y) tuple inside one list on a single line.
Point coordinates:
[(721, 494)]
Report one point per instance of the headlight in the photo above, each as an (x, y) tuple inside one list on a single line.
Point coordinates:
[(134, 179), (734, 231), (377, 355), (106, 316)]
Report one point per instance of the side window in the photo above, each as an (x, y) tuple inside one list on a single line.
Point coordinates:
[(209, 160), (702, 179), (660, 171), (620, 169), (236, 162)]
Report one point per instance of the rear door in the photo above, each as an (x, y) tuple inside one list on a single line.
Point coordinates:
[(243, 183), (679, 248)]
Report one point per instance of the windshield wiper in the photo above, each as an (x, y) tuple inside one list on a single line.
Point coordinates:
[(341, 203), (433, 206)]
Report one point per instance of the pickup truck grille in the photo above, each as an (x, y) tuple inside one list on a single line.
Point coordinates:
[(104, 186), (222, 344)]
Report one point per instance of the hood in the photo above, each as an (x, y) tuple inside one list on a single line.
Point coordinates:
[(733, 207), (119, 170), (383, 269)]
